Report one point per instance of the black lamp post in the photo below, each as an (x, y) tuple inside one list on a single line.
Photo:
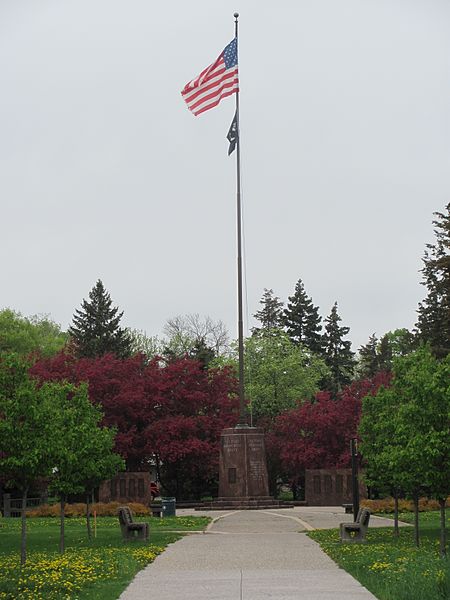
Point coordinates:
[(355, 482)]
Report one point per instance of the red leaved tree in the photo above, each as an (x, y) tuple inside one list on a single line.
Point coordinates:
[(317, 434), (170, 414)]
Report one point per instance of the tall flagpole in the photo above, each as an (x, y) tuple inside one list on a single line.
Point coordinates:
[(242, 408)]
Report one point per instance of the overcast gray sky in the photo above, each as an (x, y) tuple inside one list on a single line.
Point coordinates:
[(345, 131)]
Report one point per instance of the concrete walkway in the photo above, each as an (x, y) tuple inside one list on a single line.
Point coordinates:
[(251, 555)]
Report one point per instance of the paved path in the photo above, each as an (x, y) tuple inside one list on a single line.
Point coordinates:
[(248, 555)]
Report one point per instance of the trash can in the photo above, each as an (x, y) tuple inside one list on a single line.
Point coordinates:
[(168, 507)]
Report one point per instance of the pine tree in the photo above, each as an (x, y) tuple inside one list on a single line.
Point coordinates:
[(401, 342), (385, 354), (433, 324), (378, 355), (337, 353), (368, 363), (270, 315), (302, 321), (202, 352), (95, 328)]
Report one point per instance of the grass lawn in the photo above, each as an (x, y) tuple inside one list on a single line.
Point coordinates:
[(393, 568), (96, 570)]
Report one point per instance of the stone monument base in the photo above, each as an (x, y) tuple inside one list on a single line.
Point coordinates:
[(260, 503), (243, 479)]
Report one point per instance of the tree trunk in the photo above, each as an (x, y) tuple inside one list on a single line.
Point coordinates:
[(23, 540), (88, 517), (62, 523), (396, 531), (416, 520), (443, 536), (158, 468)]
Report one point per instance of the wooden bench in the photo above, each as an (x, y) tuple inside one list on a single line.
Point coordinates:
[(130, 529), (356, 532)]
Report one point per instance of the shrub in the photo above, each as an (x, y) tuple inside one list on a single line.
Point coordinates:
[(387, 505), (79, 509)]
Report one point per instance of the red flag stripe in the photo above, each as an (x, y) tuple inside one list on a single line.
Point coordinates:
[(200, 82), (206, 73), (212, 85), (216, 102), (191, 96), (214, 94), (190, 89)]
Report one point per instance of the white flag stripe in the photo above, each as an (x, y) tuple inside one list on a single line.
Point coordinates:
[(214, 102), (192, 95), (216, 74), (207, 73), (210, 95), (215, 82)]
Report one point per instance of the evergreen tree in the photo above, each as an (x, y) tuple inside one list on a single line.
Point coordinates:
[(302, 321), (433, 324), (368, 363), (95, 328), (378, 355), (337, 353), (401, 342), (202, 352), (384, 353), (270, 315)]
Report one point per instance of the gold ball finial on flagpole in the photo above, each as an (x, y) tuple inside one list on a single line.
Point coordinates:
[(236, 15)]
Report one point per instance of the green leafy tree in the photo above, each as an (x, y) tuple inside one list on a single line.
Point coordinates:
[(423, 384), (99, 462), (83, 455), (30, 335), (27, 436), (271, 314), (337, 353), (401, 342), (433, 324), (141, 343), (405, 430), (302, 321), (379, 446), (95, 328), (278, 373)]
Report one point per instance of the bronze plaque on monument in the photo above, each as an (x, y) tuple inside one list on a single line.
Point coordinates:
[(242, 464)]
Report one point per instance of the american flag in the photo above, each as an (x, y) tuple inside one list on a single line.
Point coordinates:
[(217, 81)]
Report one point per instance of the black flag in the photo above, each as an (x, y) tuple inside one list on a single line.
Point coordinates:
[(232, 135)]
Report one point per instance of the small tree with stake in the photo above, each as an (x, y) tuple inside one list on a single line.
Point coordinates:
[(26, 435), (99, 463), (378, 442), (83, 456)]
